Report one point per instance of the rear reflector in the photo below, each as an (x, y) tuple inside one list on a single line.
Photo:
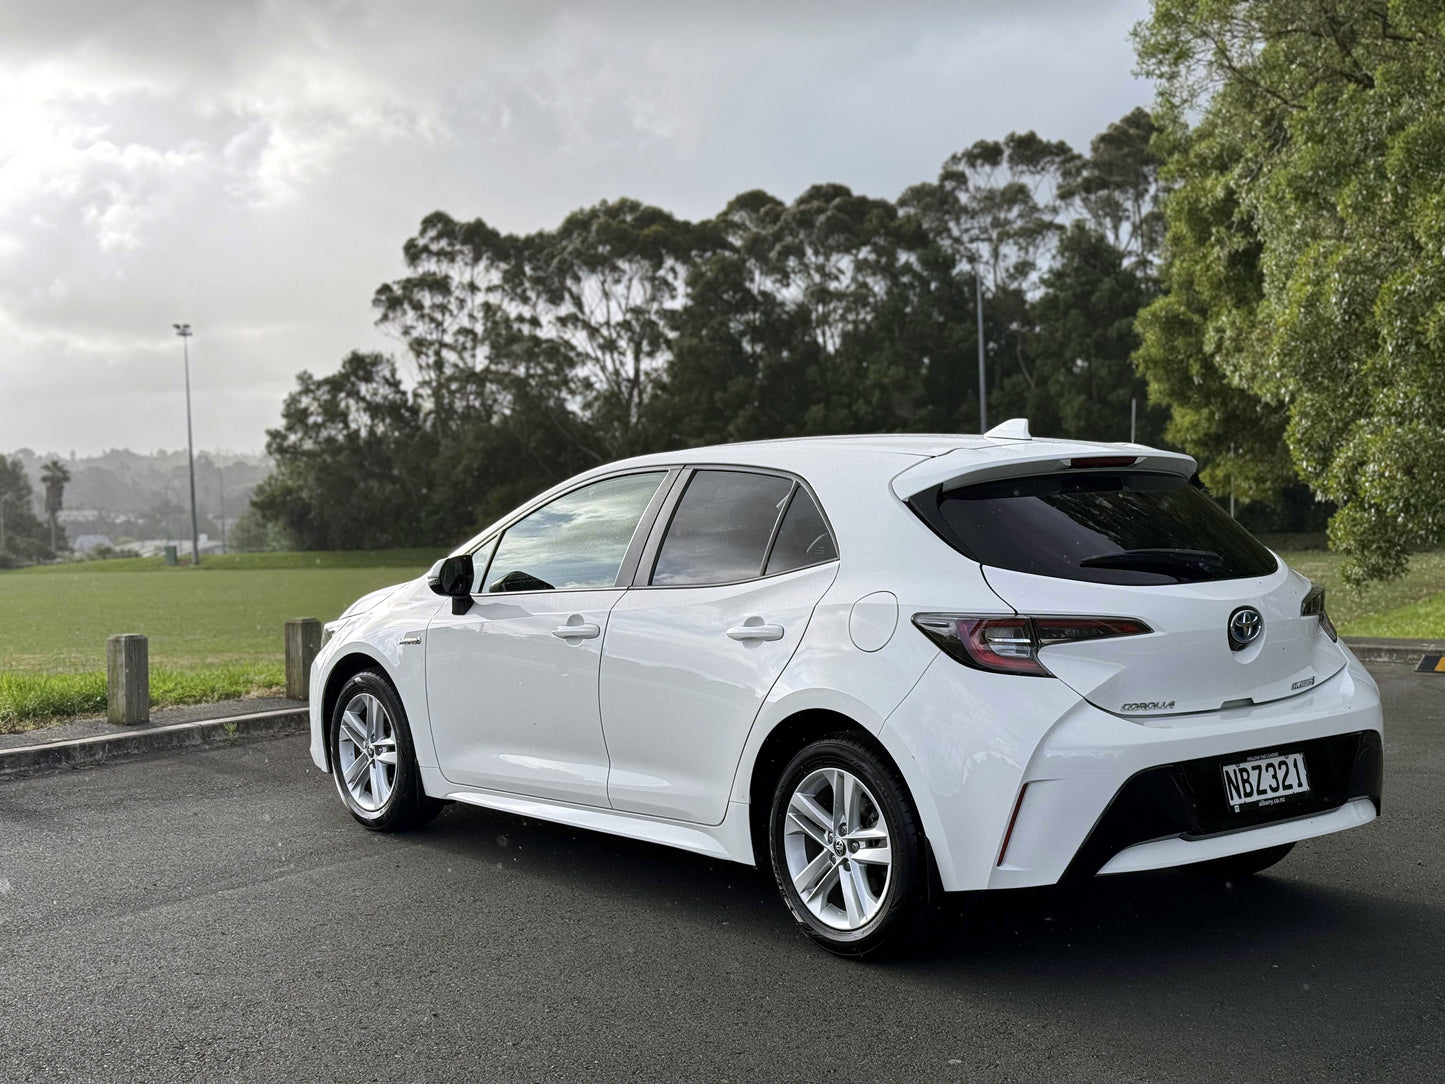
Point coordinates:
[(1008, 835), (1010, 645)]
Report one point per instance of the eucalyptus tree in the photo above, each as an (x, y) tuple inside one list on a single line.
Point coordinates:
[(1081, 340), (352, 456), (601, 289), (446, 311), (1116, 186), (993, 214), (740, 350)]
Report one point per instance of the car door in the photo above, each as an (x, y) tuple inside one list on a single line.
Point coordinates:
[(512, 683), (692, 652)]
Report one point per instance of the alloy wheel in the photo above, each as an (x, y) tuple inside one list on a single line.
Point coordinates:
[(837, 848), (366, 752)]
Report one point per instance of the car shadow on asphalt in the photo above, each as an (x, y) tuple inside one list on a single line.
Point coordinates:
[(1127, 934)]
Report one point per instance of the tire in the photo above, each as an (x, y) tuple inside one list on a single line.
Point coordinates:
[(368, 727), (851, 908), (1241, 865)]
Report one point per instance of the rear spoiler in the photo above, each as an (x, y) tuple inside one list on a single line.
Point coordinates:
[(965, 466)]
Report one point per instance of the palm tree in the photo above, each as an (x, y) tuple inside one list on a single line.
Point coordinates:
[(53, 476)]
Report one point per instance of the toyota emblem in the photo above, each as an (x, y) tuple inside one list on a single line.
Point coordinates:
[(1245, 625)]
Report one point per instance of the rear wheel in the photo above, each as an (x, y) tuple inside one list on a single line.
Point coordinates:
[(372, 758), (846, 849), (1242, 865)]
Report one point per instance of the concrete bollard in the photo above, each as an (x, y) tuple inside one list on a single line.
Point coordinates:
[(127, 679), (303, 641)]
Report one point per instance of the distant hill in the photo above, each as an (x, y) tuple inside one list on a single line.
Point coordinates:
[(128, 495)]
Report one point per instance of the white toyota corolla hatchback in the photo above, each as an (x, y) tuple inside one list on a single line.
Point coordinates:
[(879, 665)]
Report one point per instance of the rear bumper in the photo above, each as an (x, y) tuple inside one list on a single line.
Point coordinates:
[(1178, 851), (1176, 814), (1049, 790)]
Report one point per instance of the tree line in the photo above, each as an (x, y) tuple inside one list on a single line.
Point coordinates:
[(626, 329), (1265, 250)]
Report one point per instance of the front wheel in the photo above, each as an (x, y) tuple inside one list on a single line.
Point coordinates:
[(372, 758), (846, 849)]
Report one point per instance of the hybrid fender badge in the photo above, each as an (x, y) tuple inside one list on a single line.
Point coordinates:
[(1148, 705), (1245, 625)]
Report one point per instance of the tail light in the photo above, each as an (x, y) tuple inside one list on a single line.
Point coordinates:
[(1314, 606), (1011, 645)]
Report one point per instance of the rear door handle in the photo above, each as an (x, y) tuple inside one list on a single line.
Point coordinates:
[(755, 632), (583, 630)]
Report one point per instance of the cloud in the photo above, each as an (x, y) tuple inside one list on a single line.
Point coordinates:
[(254, 167)]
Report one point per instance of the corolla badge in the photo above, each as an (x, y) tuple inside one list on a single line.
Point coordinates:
[(1245, 625)]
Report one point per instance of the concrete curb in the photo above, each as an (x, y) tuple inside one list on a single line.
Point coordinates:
[(1380, 650), (108, 748)]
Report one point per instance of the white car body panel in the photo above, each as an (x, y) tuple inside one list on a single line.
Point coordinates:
[(1074, 757), (1165, 853), (673, 739), (728, 840), (489, 726), (376, 634), (684, 712), (1186, 660)]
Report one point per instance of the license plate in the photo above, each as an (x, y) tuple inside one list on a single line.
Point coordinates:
[(1265, 780)]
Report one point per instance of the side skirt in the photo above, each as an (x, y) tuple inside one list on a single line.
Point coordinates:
[(731, 840)]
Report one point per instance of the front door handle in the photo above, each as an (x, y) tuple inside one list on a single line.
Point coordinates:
[(583, 630), (758, 631)]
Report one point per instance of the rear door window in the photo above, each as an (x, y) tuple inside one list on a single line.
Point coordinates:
[(721, 529), (1128, 527)]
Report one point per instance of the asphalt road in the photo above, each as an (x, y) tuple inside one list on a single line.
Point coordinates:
[(217, 916)]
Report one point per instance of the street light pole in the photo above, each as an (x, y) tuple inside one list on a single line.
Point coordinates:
[(982, 380), (184, 331)]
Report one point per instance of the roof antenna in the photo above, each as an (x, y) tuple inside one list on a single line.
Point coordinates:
[(1013, 429)]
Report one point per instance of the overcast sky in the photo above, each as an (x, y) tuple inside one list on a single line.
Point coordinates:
[(254, 168)]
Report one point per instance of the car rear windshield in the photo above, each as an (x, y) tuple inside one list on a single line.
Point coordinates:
[(1126, 527)]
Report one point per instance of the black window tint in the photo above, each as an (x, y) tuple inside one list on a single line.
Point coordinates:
[(1128, 528), (577, 541), (803, 539), (721, 529)]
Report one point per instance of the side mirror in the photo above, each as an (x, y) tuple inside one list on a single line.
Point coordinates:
[(453, 576)]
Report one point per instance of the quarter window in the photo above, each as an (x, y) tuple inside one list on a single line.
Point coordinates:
[(803, 539), (721, 529), (577, 542)]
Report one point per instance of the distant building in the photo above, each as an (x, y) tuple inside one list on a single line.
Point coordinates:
[(155, 547), (84, 543)]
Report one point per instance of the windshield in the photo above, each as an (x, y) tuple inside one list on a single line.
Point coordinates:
[(1125, 527)]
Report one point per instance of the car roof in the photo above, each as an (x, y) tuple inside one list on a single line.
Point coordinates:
[(837, 466), (890, 453)]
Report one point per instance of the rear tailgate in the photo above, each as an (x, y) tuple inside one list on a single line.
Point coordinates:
[(1128, 535), (1187, 663)]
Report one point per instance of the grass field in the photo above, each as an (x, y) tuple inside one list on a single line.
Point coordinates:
[(216, 631)]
